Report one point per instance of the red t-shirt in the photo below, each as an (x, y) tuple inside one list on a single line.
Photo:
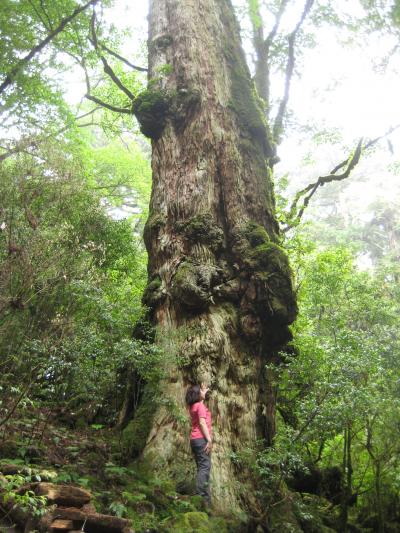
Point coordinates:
[(199, 410)]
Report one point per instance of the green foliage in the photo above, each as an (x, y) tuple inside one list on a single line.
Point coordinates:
[(344, 376), (23, 26), (71, 278), (26, 500)]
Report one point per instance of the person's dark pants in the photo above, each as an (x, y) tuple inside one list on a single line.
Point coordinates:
[(203, 463)]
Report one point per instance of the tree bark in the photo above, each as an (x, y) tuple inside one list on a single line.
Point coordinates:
[(220, 289)]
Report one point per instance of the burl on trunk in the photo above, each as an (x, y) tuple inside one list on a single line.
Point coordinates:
[(220, 289)]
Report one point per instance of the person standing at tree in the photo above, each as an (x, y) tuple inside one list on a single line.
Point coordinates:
[(200, 438)]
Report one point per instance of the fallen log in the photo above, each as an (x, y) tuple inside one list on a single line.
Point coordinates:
[(64, 495), (94, 522), (70, 510)]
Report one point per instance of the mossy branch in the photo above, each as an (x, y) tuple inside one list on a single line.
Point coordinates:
[(294, 215), (351, 162)]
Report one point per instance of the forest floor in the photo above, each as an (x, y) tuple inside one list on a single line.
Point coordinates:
[(44, 448)]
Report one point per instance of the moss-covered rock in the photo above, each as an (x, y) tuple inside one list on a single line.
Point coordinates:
[(153, 294), (198, 522), (151, 108)]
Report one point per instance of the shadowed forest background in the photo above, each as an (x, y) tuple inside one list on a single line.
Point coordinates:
[(88, 358)]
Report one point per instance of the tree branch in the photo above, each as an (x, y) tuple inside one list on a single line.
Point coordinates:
[(262, 47), (106, 66), (96, 100), (277, 128), (348, 164), (108, 106), (117, 56), (272, 33), (10, 77)]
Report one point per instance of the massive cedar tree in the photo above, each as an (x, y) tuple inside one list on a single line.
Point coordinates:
[(220, 285)]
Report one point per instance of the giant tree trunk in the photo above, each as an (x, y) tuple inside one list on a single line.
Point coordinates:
[(220, 289)]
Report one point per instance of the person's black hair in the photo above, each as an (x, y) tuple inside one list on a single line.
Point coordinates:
[(193, 395)]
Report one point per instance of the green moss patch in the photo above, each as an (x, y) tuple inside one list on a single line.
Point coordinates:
[(162, 42), (256, 234), (270, 274), (151, 108), (202, 228), (197, 522), (269, 258), (153, 294), (247, 105)]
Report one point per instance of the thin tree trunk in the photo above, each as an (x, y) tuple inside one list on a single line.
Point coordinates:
[(378, 491), (348, 479), (220, 289)]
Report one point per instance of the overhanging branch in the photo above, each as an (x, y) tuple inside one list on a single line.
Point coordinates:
[(98, 101), (108, 106), (106, 66), (118, 56)]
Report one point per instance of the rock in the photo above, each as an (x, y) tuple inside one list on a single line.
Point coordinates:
[(9, 449), (66, 495), (11, 470)]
